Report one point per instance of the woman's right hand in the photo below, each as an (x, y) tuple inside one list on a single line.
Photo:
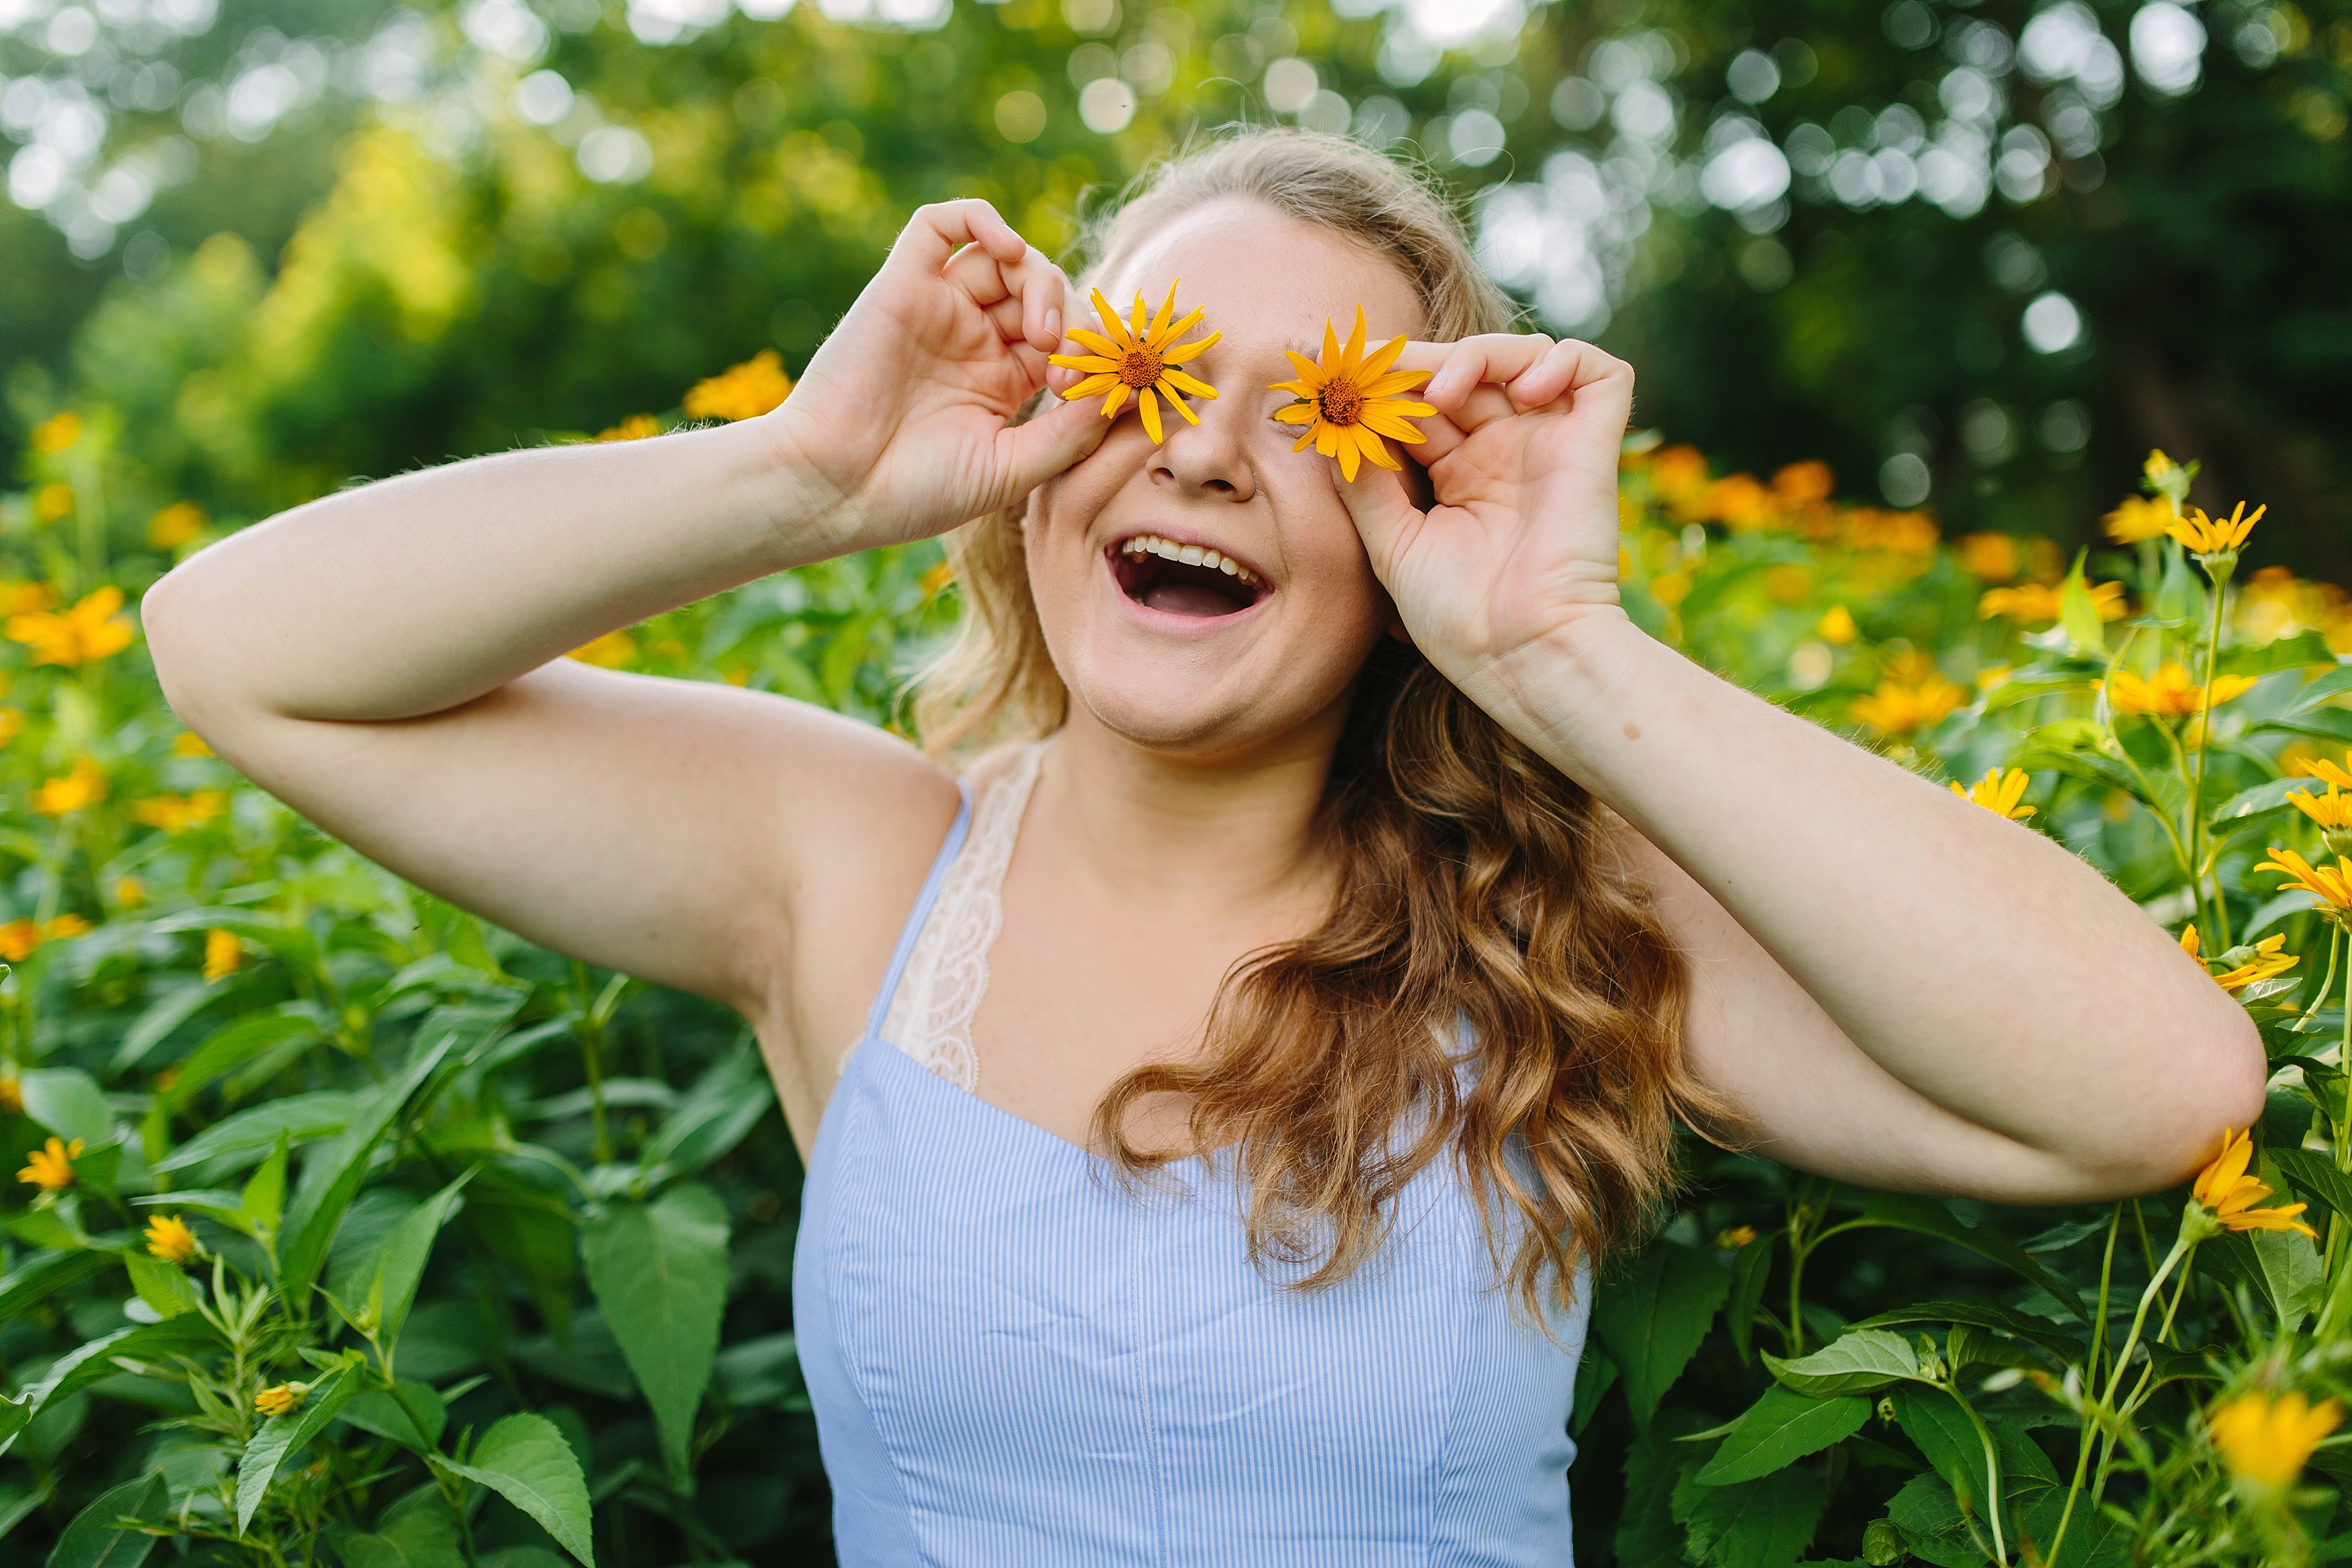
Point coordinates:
[(897, 429)]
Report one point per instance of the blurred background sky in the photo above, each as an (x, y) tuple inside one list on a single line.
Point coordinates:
[(1979, 255)]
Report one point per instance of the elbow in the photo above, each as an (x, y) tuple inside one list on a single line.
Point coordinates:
[(2217, 1082), (175, 647)]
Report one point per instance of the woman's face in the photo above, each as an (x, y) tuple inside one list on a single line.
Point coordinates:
[(1190, 659)]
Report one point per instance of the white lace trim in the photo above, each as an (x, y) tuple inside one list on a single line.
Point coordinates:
[(929, 1018)]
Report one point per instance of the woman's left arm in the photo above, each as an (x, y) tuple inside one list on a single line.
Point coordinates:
[(1900, 987)]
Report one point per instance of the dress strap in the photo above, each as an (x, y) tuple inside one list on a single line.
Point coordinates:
[(922, 909)]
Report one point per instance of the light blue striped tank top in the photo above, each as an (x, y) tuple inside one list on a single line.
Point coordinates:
[(1016, 1364)]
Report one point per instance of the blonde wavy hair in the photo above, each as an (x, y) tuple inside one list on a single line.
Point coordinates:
[(1475, 881)]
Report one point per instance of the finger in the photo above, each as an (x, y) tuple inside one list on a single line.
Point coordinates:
[(1600, 388), (1556, 374), (1382, 511), (1044, 297), (1060, 435), (1488, 357), (938, 230), (1441, 437)]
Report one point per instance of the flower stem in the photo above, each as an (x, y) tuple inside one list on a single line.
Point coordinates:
[(2197, 785)]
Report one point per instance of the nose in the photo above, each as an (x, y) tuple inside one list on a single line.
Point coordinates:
[(1207, 459)]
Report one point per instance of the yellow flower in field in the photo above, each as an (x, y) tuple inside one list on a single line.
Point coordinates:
[(2039, 601), (57, 433), (63, 926), (11, 723), (1733, 1240), (636, 427), (1999, 791), (2138, 517), (1348, 401), (169, 1237), (1897, 708), (18, 940), (2333, 809), (188, 743), (611, 651), (175, 813), (1991, 675), (176, 524), (282, 1400), (1989, 558), (52, 502), (222, 953), (2171, 692), (2228, 1195), (130, 892), (741, 391), (2262, 961), (12, 1097), (2332, 886), (50, 1167), (2268, 1441), (1138, 359), (935, 578), (20, 598), (90, 631), (85, 786), (2204, 537), (1836, 625)]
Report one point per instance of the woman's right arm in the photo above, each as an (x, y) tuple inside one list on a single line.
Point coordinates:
[(388, 660)]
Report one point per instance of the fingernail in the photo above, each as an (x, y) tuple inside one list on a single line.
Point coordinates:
[(1053, 324)]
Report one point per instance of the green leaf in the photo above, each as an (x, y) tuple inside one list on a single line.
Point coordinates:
[(54, 1226), (1929, 1217), (162, 1286), (378, 1412), (237, 1141), (1932, 1525), (45, 1276), (2179, 596), (1984, 1315), (1763, 1523), (2321, 723), (2078, 614), (2334, 682), (2315, 1177), (282, 1435), (1596, 1374), (263, 1201), (400, 1262), (525, 1459), (414, 1537), (95, 1541), (95, 1363), (1647, 1535), (2260, 800), (1930, 1417), (211, 1203), (659, 1273), (235, 1043), (1856, 1362), (1779, 1429), (2289, 1260), (163, 1015), (67, 1102), (333, 1177), (1654, 1318), (1750, 1271), (724, 1104)]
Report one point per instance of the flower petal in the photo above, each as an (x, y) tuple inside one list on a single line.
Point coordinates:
[(1183, 383), (1297, 413), (1149, 407), (1376, 364), (1184, 351), (1097, 341), (1083, 362), (1117, 401), (1353, 354), (1091, 385), (1394, 382), (1178, 403), (1112, 324)]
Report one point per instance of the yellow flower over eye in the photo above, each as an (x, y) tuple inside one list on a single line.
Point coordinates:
[(50, 1167), (2268, 1442), (1999, 791), (1349, 402), (1139, 357), (2225, 1189)]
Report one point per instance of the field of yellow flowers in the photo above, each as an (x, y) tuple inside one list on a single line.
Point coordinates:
[(348, 1229)]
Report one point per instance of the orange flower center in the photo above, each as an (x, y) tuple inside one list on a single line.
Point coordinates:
[(1341, 403), (1139, 369)]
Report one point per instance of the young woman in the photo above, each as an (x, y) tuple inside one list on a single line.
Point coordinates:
[(1371, 895)]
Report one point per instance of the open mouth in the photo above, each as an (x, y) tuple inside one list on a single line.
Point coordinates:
[(1183, 578)]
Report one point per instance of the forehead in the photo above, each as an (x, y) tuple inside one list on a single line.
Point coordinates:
[(1266, 279)]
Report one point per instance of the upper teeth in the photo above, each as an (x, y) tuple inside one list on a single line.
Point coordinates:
[(1191, 555)]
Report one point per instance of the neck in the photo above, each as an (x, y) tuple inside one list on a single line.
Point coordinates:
[(1190, 833)]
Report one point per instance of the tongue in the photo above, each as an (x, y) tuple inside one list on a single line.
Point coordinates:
[(1190, 598)]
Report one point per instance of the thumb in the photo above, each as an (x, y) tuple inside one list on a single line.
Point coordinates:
[(1033, 451), (1385, 517)]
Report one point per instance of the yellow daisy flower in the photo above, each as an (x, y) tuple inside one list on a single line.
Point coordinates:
[(2333, 809), (169, 1237), (1347, 402), (176, 524), (222, 954), (2332, 886), (2171, 692), (50, 1167), (91, 630), (2138, 517), (281, 1400), (1138, 358), (2041, 601), (2203, 536), (2262, 961), (84, 786), (1896, 708), (2230, 1194), (2268, 1441), (739, 392), (1998, 792)]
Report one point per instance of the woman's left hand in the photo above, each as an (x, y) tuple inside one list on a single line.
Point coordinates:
[(1520, 545)]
